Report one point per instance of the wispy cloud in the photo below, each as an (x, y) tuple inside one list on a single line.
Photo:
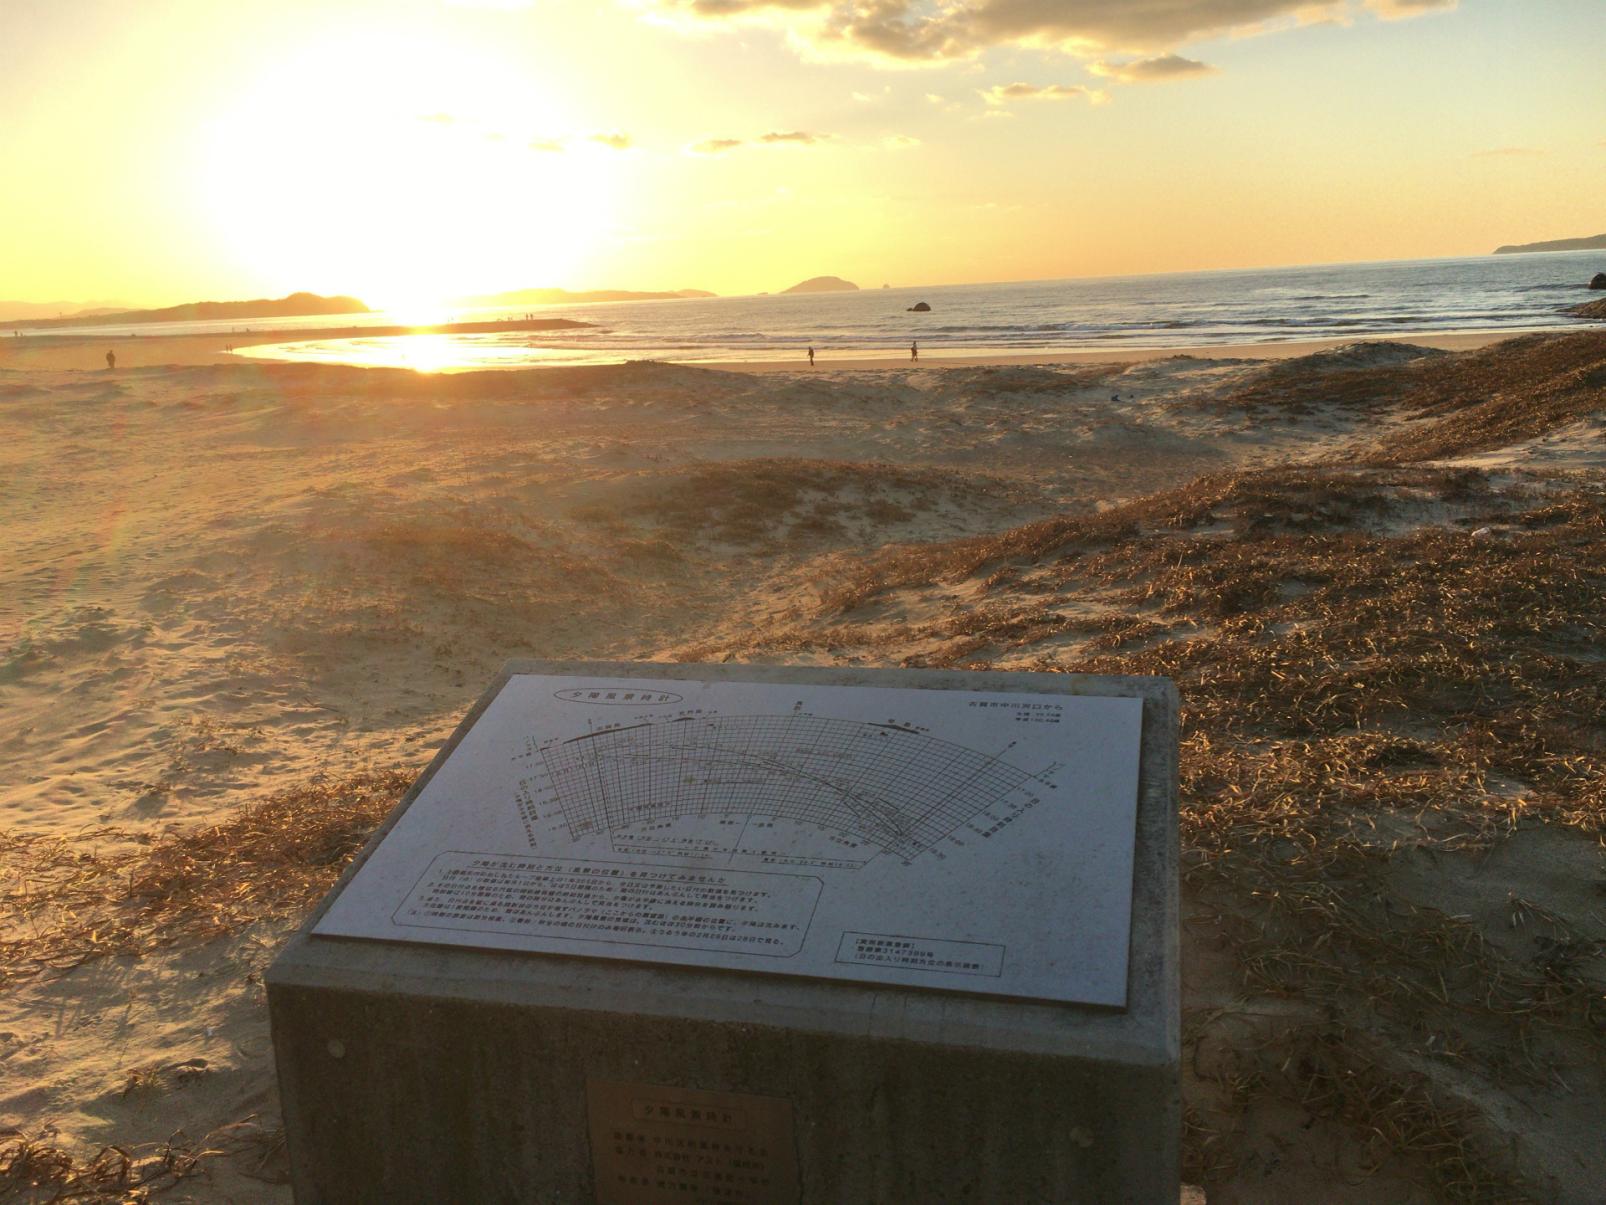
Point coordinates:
[(617, 141), (900, 142), (1001, 94), (1152, 71), (800, 137), (719, 146), (549, 145), (1398, 10)]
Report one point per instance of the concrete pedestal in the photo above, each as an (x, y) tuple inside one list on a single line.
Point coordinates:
[(436, 1073)]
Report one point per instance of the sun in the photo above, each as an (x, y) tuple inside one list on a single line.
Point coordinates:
[(406, 171)]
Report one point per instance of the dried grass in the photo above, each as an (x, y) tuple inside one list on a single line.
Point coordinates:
[(773, 501), (1491, 397), (1354, 686), (1502, 394), (1288, 499), (70, 899), (35, 1171)]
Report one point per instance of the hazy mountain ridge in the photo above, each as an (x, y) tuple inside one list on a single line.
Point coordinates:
[(28, 311), (1594, 242), (293, 306)]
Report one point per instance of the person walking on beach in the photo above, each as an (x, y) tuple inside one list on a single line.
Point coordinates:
[(111, 360), (914, 349), (811, 357)]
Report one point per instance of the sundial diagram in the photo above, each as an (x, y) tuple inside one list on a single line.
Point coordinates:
[(961, 840), (788, 789)]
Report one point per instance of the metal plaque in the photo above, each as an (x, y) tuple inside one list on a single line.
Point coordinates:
[(965, 841), (655, 1145)]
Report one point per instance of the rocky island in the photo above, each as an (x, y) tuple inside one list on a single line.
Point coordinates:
[(824, 284)]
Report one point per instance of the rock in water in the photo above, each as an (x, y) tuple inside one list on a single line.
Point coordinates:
[(1598, 281), (921, 307)]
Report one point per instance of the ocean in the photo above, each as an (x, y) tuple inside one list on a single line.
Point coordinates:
[(1395, 299)]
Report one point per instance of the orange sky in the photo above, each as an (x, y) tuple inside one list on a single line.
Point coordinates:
[(410, 151)]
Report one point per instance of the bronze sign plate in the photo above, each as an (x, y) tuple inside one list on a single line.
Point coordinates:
[(653, 1145)]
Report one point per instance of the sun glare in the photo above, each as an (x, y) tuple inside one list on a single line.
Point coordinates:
[(422, 172)]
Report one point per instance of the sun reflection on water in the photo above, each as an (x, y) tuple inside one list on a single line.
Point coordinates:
[(428, 353)]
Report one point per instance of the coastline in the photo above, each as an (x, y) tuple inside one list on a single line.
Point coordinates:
[(981, 358), (59, 353)]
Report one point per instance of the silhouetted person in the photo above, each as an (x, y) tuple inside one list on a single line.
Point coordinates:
[(811, 357), (914, 349), (111, 360)]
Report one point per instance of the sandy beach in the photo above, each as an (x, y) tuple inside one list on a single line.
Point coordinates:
[(65, 353), (243, 602)]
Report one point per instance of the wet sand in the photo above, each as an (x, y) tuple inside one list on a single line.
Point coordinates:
[(64, 353)]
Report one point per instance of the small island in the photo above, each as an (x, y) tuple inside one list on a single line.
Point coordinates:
[(824, 284), (1595, 242)]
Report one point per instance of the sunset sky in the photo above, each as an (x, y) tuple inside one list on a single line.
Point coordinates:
[(408, 152)]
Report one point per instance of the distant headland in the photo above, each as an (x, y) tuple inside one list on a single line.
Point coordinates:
[(293, 306), (565, 297), (1596, 242), (27, 311), (824, 284)]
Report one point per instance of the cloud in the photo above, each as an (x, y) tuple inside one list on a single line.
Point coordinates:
[(1399, 10), (437, 119), (1508, 152), (900, 142), (1152, 71), (1002, 94), (934, 31), (800, 137), (718, 146), (550, 145), (619, 142)]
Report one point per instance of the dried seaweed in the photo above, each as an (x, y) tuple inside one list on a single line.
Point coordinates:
[(66, 900)]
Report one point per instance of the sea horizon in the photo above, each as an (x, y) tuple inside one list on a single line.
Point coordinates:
[(1151, 311)]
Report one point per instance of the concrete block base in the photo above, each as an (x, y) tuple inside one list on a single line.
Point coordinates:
[(435, 1074)]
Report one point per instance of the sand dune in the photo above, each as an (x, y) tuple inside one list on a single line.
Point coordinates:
[(1375, 572)]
